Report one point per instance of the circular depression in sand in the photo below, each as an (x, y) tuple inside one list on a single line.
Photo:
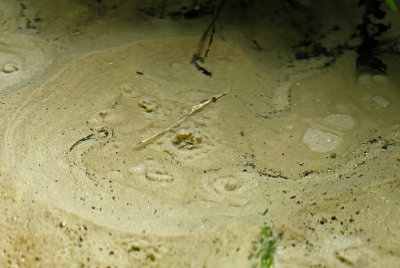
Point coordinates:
[(22, 57)]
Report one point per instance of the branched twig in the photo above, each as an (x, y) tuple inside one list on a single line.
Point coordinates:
[(199, 56), (195, 109)]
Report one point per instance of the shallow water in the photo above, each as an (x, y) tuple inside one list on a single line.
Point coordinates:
[(307, 148)]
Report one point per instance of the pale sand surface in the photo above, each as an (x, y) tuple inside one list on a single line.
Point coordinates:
[(312, 152)]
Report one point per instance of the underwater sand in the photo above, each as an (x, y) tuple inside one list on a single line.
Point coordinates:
[(309, 150)]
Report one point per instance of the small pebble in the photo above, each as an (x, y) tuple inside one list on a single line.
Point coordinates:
[(231, 185), (117, 145), (10, 67), (148, 105), (103, 113)]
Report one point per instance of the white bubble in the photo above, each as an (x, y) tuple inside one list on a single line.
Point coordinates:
[(321, 141), (340, 121)]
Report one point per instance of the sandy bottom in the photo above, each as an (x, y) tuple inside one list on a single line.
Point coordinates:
[(309, 150)]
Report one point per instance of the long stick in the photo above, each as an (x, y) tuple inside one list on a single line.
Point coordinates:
[(195, 109)]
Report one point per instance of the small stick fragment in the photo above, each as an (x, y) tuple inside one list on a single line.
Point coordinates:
[(195, 109)]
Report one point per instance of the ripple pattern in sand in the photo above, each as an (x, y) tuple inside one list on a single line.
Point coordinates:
[(76, 137)]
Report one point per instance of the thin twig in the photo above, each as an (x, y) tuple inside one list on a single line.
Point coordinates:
[(195, 109)]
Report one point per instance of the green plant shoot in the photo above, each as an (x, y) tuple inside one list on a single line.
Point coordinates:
[(268, 246), (391, 4)]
